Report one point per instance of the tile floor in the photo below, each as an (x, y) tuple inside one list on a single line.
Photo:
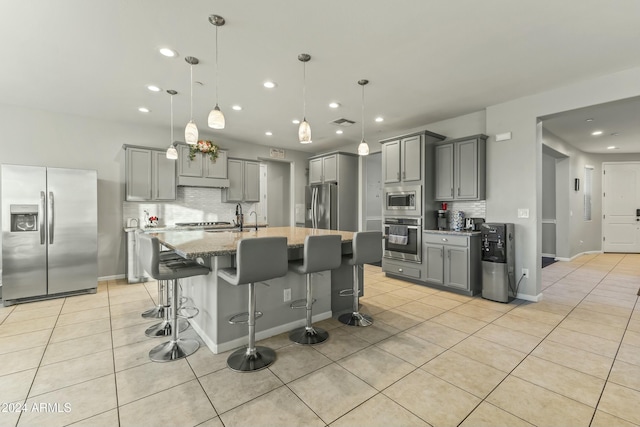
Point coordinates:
[(431, 358)]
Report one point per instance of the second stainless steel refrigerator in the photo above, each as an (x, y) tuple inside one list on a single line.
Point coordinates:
[(331, 207), (49, 232)]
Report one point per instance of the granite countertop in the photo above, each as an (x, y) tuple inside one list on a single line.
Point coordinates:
[(201, 243), (454, 233), (193, 227)]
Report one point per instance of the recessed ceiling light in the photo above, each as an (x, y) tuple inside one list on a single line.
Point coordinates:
[(339, 131), (169, 53), (268, 133), (295, 121), (379, 119), (596, 133), (236, 107), (612, 147), (153, 88), (269, 84), (589, 120), (334, 105), (143, 109)]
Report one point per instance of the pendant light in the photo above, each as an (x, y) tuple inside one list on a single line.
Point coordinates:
[(304, 130), (172, 153), (216, 118), (363, 148), (191, 130)]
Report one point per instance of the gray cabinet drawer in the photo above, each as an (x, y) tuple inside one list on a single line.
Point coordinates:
[(402, 270), (445, 239)]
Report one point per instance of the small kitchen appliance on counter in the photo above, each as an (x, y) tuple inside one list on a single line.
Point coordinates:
[(441, 217), (473, 224)]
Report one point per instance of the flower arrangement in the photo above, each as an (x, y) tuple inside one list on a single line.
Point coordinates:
[(205, 147), (150, 220)]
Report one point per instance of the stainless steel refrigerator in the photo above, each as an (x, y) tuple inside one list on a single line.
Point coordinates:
[(321, 202), (49, 232)]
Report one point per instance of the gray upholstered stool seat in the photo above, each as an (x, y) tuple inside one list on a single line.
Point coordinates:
[(367, 247), (257, 259), (176, 348), (320, 253)]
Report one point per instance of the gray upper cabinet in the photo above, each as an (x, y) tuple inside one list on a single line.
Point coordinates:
[(244, 181), (402, 160), (201, 171), (460, 169), (323, 169), (149, 175)]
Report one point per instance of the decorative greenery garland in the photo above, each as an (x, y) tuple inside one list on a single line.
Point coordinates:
[(205, 147)]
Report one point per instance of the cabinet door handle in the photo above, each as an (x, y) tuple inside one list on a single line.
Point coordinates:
[(445, 240), (400, 270), (398, 175), (458, 191), (441, 252), (448, 254), (451, 191), (404, 175)]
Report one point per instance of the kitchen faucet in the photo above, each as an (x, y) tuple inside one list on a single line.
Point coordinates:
[(254, 213), (239, 216)]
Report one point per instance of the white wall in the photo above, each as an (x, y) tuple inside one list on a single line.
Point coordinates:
[(37, 137), (514, 166)]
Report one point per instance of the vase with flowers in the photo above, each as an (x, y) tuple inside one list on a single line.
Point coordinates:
[(204, 147)]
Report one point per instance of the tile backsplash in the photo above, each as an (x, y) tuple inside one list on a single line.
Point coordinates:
[(192, 204), (475, 209)]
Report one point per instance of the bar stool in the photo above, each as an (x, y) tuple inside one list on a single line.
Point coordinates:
[(257, 259), (320, 253), (367, 247), (158, 312), (177, 347)]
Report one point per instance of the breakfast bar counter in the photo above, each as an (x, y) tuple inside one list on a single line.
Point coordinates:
[(217, 300)]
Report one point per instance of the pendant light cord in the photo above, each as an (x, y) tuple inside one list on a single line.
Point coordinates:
[(304, 91), (216, 65), (363, 112), (171, 142), (191, 92)]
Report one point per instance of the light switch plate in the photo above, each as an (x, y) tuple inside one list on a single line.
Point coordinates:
[(523, 213)]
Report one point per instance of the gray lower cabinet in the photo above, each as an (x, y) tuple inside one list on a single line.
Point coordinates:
[(149, 175), (410, 270), (244, 181), (452, 261)]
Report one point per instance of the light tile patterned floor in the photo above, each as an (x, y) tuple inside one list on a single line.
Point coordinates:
[(431, 358)]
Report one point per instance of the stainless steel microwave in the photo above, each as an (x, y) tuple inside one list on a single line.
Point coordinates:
[(405, 200)]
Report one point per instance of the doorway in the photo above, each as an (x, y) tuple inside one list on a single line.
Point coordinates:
[(556, 210), (621, 207), (275, 178), (372, 177)]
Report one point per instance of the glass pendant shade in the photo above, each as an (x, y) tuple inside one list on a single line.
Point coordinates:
[(304, 132), (216, 118), (363, 148), (172, 153), (191, 133)]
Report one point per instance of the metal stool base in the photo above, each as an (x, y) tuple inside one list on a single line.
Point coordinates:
[(156, 312), (309, 336), (164, 329), (240, 361), (356, 319), (173, 350)]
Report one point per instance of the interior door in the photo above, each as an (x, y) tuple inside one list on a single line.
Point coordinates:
[(621, 207)]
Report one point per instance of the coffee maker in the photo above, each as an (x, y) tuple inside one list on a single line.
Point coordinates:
[(442, 217)]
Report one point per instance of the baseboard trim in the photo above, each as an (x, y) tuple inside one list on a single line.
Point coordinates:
[(114, 277), (577, 255), (239, 342), (533, 298), (549, 255)]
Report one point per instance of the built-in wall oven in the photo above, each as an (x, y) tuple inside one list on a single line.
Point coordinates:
[(403, 201), (403, 239)]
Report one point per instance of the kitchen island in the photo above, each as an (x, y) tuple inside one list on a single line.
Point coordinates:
[(217, 300)]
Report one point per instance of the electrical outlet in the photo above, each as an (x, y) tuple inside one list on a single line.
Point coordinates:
[(525, 273), (287, 294)]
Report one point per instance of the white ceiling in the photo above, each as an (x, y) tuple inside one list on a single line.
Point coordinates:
[(426, 60)]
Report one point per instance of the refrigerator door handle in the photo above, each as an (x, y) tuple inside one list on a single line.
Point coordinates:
[(51, 221), (315, 207), (41, 220)]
